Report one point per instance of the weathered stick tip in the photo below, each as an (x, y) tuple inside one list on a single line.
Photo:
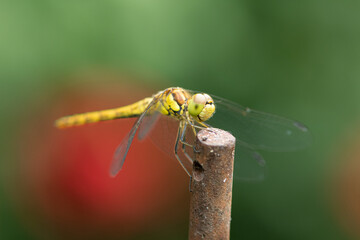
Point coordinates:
[(215, 137)]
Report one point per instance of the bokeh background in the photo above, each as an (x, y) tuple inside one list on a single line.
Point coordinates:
[(298, 59)]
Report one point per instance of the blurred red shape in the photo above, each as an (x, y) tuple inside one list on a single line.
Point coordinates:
[(65, 173)]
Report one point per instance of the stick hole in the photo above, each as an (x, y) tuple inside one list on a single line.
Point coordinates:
[(198, 171)]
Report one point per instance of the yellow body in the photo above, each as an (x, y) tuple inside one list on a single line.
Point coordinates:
[(132, 110), (173, 102)]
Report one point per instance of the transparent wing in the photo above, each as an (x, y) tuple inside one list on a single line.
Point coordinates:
[(163, 135), (123, 148), (258, 130), (249, 164), (121, 152), (148, 124)]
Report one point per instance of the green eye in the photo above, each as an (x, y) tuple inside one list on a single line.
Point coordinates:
[(195, 108)]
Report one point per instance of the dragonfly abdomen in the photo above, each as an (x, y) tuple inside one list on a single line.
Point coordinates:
[(132, 110)]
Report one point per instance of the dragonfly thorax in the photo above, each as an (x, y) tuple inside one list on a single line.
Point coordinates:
[(174, 102)]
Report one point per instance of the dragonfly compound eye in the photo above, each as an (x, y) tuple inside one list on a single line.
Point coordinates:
[(201, 106)]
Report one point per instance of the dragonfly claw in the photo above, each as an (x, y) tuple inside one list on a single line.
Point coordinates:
[(196, 150)]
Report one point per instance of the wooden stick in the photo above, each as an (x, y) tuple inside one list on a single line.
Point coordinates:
[(210, 202)]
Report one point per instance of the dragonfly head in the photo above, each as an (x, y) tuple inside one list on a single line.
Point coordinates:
[(201, 106)]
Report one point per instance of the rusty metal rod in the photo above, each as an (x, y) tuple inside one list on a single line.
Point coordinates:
[(210, 201)]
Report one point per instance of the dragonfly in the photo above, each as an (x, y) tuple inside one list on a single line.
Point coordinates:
[(190, 111)]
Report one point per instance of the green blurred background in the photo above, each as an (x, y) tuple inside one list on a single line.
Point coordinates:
[(298, 59)]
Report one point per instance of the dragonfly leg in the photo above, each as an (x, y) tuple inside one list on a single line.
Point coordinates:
[(195, 150), (193, 126), (176, 149), (182, 140), (184, 143), (203, 125)]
